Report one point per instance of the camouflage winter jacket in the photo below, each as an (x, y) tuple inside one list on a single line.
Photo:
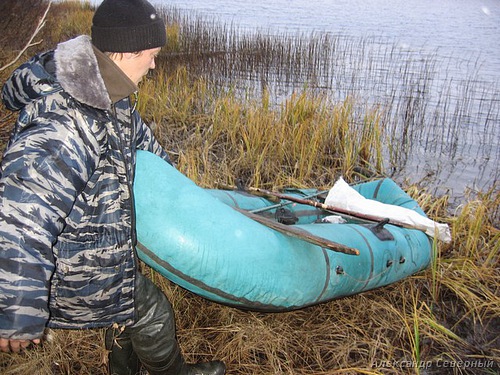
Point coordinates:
[(67, 230)]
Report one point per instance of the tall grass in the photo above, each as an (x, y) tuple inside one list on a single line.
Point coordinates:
[(217, 130), (221, 136)]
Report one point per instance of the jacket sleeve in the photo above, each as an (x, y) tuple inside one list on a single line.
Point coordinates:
[(42, 171), (147, 141)]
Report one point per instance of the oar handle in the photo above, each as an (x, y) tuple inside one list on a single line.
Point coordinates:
[(282, 204)]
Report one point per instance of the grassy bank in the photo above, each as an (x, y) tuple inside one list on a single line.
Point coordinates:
[(444, 320)]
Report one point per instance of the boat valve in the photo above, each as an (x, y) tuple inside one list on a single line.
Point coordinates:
[(339, 270)]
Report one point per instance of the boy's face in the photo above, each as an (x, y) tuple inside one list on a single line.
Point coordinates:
[(137, 65)]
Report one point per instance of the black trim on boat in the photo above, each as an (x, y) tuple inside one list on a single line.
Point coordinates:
[(238, 301)]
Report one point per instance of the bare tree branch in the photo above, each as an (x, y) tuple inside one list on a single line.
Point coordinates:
[(30, 43)]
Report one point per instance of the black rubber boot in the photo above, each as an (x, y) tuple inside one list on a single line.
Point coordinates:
[(151, 340), (177, 366), (122, 358), (206, 368)]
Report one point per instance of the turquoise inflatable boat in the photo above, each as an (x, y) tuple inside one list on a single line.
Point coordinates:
[(201, 240)]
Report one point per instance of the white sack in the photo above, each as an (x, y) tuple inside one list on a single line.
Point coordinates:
[(342, 196)]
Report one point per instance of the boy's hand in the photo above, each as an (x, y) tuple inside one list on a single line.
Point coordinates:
[(16, 346)]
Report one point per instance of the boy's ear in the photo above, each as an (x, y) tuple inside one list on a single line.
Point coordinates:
[(128, 55), (131, 55)]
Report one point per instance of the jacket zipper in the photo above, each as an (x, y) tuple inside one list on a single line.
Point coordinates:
[(128, 177), (128, 172)]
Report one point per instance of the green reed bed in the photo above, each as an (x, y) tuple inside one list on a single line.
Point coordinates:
[(443, 320), (306, 140)]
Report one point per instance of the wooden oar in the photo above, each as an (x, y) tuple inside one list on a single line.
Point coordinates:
[(283, 204), (338, 210), (302, 234)]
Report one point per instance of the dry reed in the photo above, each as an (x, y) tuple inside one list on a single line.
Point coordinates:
[(444, 320)]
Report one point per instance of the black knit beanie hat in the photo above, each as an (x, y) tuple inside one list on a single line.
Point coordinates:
[(127, 26)]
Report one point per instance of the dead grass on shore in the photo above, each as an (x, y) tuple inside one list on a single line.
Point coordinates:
[(445, 320)]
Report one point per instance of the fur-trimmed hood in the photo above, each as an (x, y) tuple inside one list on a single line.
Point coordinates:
[(72, 67)]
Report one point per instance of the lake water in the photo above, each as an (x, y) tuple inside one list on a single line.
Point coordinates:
[(461, 34), (469, 28)]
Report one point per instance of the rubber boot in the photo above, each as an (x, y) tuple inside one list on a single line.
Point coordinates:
[(159, 352), (206, 368), (177, 366), (122, 359), (151, 340)]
